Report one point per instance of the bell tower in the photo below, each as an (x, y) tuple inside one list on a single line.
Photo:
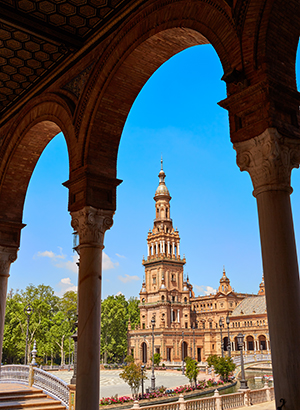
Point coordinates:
[(165, 294)]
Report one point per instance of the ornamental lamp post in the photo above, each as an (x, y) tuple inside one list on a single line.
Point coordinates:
[(182, 350), (240, 340), (221, 325), (28, 310), (228, 343), (152, 375), (143, 367)]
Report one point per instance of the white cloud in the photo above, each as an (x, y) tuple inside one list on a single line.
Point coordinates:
[(60, 261), (128, 278), (119, 293), (65, 285), (205, 290), (120, 256), (107, 263), (50, 254), (70, 264)]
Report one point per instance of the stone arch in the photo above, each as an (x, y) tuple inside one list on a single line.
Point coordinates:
[(249, 342), (262, 342), (129, 61), (144, 351), (44, 118), (279, 47), (184, 350)]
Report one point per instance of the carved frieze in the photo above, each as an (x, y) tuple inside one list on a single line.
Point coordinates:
[(269, 159), (91, 225)]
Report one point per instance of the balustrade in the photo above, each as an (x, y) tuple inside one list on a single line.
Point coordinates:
[(58, 389), (50, 384)]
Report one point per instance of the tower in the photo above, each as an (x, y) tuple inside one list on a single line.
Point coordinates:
[(164, 294)]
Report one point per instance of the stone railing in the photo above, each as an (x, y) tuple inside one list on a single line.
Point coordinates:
[(50, 384), (216, 402), (251, 358)]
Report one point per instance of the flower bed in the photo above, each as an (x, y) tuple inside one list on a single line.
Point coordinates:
[(163, 392)]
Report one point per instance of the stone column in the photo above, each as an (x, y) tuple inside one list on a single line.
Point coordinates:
[(269, 159), (91, 224), (7, 256)]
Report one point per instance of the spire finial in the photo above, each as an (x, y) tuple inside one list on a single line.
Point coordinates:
[(161, 162), (224, 273)]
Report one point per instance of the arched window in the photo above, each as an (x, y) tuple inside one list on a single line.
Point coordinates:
[(185, 300), (163, 298), (144, 352)]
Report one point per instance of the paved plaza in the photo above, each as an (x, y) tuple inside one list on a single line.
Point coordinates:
[(111, 383)]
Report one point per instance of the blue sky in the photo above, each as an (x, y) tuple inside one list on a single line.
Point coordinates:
[(175, 115)]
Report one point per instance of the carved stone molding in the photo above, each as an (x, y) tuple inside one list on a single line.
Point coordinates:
[(7, 256), (269, 159), (91, 225)]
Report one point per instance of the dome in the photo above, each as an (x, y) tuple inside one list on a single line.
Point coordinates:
[(162, 190)]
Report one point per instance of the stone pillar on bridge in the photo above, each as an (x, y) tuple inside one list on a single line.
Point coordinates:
[(91, 225), (269, 159), (7, 256)]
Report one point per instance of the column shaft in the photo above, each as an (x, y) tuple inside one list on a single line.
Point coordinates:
[(90, 224), (7, 256), (282, 292), (88, 347), (3, 293)]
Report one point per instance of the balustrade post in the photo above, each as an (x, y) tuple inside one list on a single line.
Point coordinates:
[(247, 398), (218, 400), (268, 391), (181, 401), (206, 369), (135, 405)]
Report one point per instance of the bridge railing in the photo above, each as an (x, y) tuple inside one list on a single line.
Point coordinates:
[(251, 358), (50, 384), (216, 402)]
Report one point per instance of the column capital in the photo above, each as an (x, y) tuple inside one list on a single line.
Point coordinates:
[(7, 256), (269, 159), (91, 225)]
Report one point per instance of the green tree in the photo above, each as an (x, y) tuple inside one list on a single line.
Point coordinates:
[(133, 311), (48, 310), (191, 370), (222, 365), (114, 329), (132, 375), (157, 359), (129, 359)]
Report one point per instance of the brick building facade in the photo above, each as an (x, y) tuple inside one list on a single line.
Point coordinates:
[(181, 323)]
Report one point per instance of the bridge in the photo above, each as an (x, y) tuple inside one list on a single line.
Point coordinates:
[(250, 361), (36, 378)]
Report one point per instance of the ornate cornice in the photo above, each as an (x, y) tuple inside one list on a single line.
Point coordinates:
[(269, 159), (91, 225), (7, 256)]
